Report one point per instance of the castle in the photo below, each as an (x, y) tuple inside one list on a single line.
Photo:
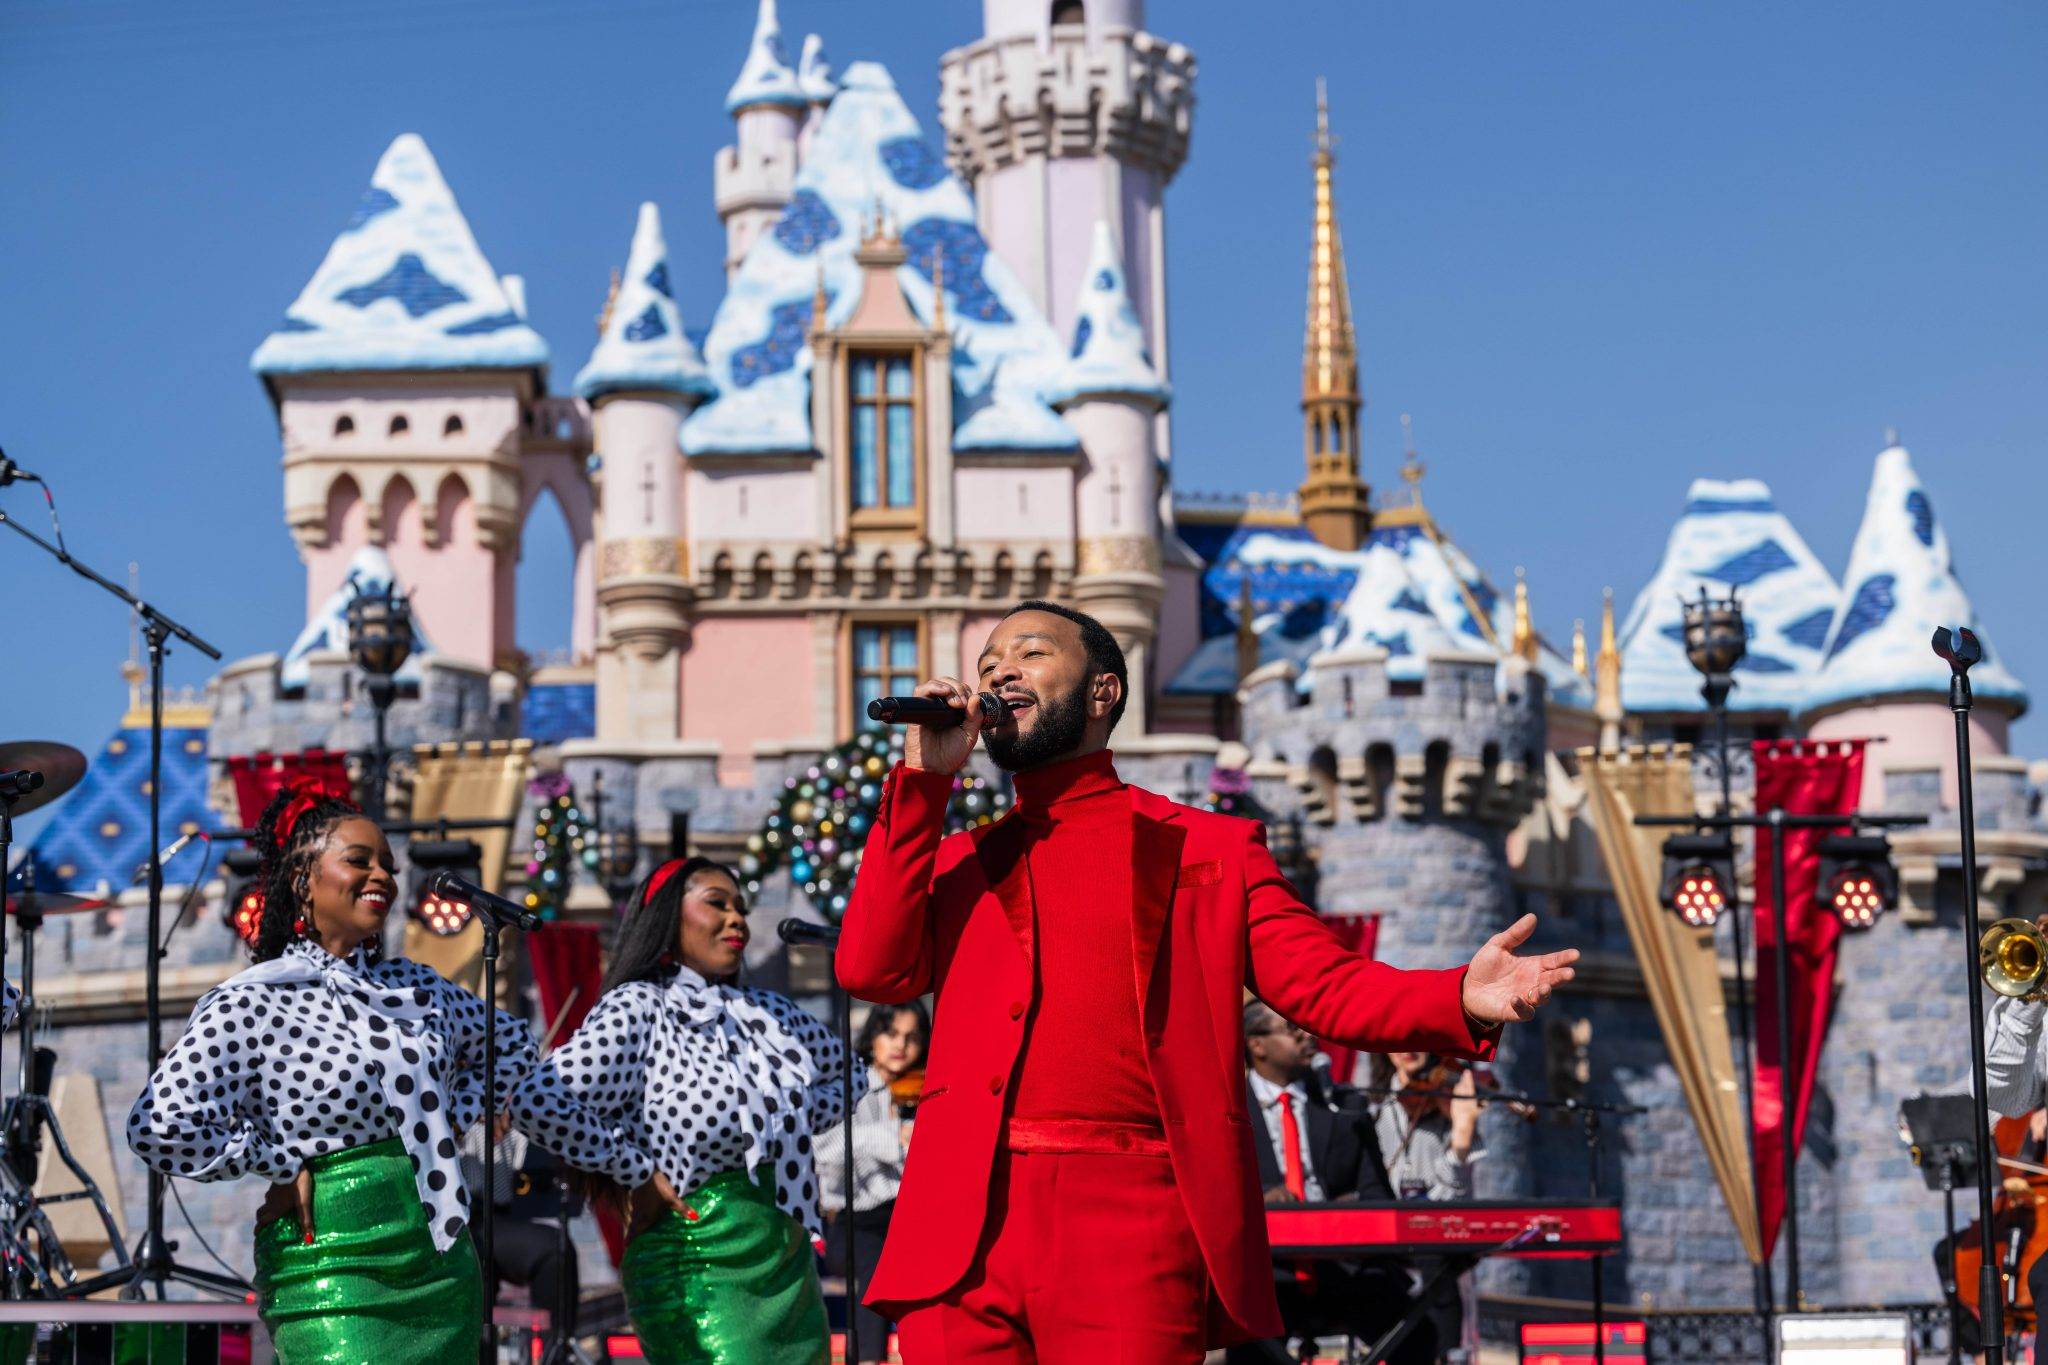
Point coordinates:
[(939, 381)]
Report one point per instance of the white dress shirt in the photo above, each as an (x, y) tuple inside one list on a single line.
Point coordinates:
[(878, 1152), (1267, 1094)]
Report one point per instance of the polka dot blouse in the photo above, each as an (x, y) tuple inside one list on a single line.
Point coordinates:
[(308, 1054), (700, 1079)]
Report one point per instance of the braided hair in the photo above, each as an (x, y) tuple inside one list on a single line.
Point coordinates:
[(288, 859)]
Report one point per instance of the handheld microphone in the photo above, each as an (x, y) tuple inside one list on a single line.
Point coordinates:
[(802, 931), (488, 904), (20, 782), (934, 713)]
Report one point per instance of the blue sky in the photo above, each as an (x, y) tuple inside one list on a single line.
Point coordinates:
[(1596, 249)]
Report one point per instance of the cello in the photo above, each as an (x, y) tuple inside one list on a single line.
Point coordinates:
[(2019, 1221)]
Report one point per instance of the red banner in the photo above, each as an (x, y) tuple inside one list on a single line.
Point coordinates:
[(1361, 934), (259, 777), (1799, 777)]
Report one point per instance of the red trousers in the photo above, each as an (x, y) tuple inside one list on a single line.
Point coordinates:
[(1087, 1259)]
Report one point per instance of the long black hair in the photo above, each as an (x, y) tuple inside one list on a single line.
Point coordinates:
[(645, 949), (288, 862)]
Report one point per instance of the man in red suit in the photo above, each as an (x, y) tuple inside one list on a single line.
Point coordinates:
[(1082, 1186)]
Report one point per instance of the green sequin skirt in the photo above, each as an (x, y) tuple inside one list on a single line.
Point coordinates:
[(736, 1284), (371, 1290)]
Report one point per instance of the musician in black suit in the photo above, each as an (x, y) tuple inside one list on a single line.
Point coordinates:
[(1335, 1157)]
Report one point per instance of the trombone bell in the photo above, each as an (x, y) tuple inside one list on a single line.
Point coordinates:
[(2014, 958)]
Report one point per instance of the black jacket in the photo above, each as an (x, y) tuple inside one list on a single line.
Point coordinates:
[(1342, 1145)]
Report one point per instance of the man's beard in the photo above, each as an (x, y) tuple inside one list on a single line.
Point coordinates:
[(1059, 729)]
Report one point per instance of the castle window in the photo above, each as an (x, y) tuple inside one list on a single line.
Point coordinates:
[(887, 661), (1068, 12), (453, 426), (399, 425), (344, 425), (882, 460)]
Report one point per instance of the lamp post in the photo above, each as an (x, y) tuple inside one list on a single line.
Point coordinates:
[(380, 640), (618, 851), (1716, 638)]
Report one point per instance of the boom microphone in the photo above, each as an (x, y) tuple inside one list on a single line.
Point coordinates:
[(796, 931), (490, 905), (934, 713)]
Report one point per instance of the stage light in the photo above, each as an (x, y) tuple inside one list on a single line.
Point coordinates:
[(1857, 881), (242, 905), (464, 858), (1699, 882)]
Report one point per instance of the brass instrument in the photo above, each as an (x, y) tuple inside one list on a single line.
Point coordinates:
[(2014, 958)]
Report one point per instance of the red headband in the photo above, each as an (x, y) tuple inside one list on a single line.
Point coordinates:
[(305, 795), (660, 877)]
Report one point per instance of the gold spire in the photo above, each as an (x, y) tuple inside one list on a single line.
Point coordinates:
[(611, 298), (1607, 677), (1579, 646), (819, 301), (1524, 644), (938, 290), (1335, 504), (1247, 638)]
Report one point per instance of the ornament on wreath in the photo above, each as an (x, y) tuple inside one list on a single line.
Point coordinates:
[(821, 820), (562, 843)]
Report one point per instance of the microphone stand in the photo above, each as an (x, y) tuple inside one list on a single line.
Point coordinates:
[(793, 932), (153, 1262), (1960, 648), (486, 1219)]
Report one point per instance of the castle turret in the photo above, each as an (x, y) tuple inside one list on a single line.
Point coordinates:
[(814, 77), (643, 378), (1878, 676), (402, 374), (751, 180), (1109, 393), (1062, 113), (1335, 504)]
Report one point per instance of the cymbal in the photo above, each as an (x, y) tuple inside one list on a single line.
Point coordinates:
[(62, 767), (53, 903)]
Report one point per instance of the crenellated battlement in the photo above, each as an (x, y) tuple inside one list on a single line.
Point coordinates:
[(1356, 744)]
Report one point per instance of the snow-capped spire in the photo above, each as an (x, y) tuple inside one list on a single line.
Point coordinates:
[(1901, 585), (368, 571), (766, 77), (1108, 357), (404, 287), (643, 345), (814, 72)]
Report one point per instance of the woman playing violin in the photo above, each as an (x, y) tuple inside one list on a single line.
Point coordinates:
[(1429, 1136), (892, 1041)]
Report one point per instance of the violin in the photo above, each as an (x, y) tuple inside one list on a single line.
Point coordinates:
[(1434, 1090), (906, 1090), (2017, 1222)]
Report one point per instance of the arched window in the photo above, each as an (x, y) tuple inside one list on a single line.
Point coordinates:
[(399, 425), (453, 426), (1068, 12), (344, 425)]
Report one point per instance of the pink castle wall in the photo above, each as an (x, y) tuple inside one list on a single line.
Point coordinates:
[(1916, 734), (748, 678), (348, 529)]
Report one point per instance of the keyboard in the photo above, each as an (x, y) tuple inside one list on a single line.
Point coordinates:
[(1492, 1227)]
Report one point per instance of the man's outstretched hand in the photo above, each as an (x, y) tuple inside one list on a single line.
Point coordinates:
[(1501, 988)]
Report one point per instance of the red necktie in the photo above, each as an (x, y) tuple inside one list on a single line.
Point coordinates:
[(1290, 1140)]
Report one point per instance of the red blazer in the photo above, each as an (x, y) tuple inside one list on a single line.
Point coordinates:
[(1210, 916)]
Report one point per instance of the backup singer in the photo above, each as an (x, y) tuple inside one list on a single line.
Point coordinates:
[(1082, 1186), (346, 1081), (719, 1090)]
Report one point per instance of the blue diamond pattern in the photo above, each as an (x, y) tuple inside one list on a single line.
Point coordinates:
[(376, 202), (416, 288), (292, 324), (100, 832), (1922, 512), (1811, 629), (806, 224), (477, 327), (965, 253), (558, 711), (1867, 610), (1758, 561), (911, 163), (1082, 331), (1397, 646), (788, 324), (657, 279), (1408, 601), (1754, 662), (647, 327)]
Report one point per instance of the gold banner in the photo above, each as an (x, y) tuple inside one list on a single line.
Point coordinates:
[(469, 782), (1680, 965)]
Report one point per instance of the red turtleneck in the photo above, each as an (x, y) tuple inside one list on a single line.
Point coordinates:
[(1084, 1052)]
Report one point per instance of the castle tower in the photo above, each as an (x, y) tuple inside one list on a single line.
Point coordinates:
[(815, 79), (1064, 113), (1110, 395), (752, 179), (643, 378), (1334, 502), (402, 375)]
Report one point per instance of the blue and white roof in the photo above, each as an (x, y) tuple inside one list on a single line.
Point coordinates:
[(1387, 610), (97, 835), (1108, 356), (1902, 586), (1731, 537), (814, 72), (766, 76), (404, 287), (369, 571), (643, 346), (868, 153)]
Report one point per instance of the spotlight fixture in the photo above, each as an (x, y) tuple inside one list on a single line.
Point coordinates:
[(442, 916), (1699, 881), (242, 906), (1857, 881)]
